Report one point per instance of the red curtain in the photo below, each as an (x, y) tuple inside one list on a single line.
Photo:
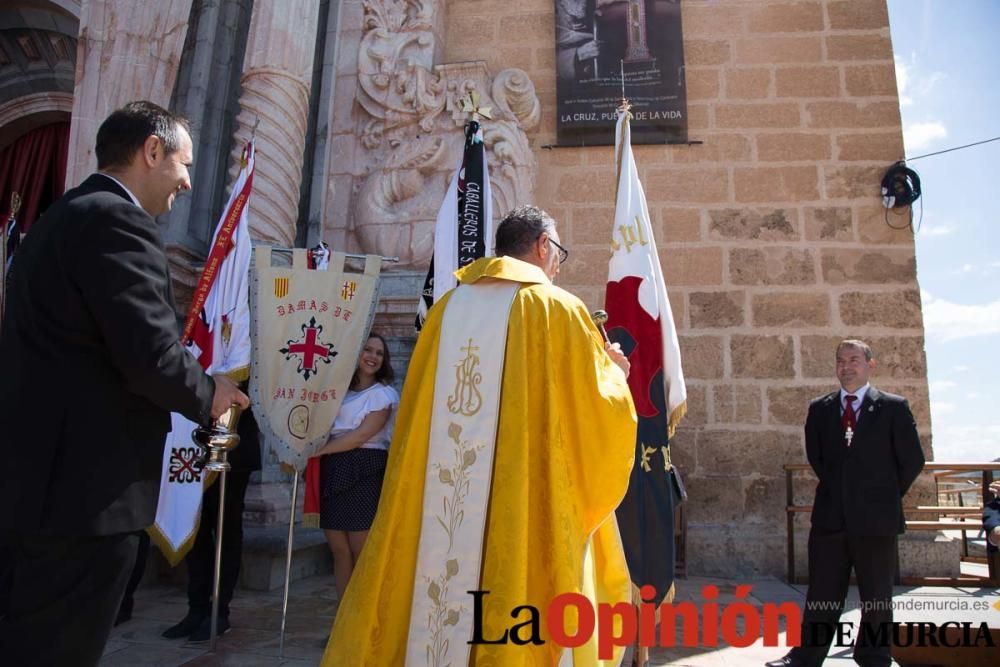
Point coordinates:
[(34, 166)]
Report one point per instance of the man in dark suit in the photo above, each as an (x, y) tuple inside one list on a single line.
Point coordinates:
[(92, 367), (863, 446)]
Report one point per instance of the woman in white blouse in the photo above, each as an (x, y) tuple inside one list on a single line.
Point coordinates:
[(353, 460)]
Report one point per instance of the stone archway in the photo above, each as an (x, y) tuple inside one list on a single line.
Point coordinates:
[(37, 64), (25, 113)]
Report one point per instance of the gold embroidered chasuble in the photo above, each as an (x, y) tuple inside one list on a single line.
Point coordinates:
[(563, 455)]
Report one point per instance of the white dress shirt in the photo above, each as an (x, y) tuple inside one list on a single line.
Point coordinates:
[(122, 186)]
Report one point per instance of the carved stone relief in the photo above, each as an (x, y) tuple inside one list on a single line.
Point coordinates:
[(409, 133)]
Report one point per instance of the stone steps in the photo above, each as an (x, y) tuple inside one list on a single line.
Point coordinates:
[(264, 549)]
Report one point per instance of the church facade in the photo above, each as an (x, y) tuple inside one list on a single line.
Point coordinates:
[(769, 223)]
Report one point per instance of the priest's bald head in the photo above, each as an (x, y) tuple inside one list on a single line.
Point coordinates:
[(529, 234)]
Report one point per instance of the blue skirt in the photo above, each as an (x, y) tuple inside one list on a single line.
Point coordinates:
[(350, 485)]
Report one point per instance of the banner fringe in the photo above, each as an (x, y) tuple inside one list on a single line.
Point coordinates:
[(173, 557), (667, 599), (675, 417)]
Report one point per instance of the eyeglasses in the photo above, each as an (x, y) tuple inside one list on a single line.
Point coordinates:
[(563, 253)]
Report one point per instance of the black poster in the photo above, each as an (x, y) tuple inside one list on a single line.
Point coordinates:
[(595, 41)]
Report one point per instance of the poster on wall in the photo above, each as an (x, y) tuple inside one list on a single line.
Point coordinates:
[(595, 41)]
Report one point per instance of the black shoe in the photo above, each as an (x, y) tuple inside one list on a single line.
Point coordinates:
[(785, 661), (188, 625), (204, 631)]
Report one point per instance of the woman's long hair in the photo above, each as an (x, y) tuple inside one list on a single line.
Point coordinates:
[(384, 374)]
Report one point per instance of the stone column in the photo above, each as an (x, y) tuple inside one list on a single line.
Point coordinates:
[(277, 75), (127, 50), (276, 83)]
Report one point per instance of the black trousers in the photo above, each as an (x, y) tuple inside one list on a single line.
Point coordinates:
[(201, 559), (64, 595), (831, 558), (139, 569)]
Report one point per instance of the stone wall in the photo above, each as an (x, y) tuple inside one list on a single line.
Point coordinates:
[(125, 51), (771, 234)]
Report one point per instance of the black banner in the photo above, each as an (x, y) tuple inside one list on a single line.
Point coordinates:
[(473, 193), (595, 41), (471, 207)]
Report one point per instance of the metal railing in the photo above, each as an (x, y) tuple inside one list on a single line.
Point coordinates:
[(952, 480)]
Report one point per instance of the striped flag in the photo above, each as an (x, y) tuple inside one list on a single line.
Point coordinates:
[(464, 229), (217, 332), (640, 320)]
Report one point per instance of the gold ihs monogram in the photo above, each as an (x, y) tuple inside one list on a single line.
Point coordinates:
[(466, 399)]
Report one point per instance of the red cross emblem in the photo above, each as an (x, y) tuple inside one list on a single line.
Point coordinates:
[(313, 352)]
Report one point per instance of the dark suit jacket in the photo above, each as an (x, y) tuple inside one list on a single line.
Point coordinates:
[(861, 487), (991, 519), (90, 368)]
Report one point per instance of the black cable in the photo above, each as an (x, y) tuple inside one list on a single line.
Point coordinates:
[(920, 220), (948, 150), (909, 221), (909, 207)]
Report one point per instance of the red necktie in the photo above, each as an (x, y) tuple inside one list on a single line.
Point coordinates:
[(848, 419)]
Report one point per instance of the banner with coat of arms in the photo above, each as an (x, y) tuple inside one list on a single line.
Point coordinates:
[(309, 327)]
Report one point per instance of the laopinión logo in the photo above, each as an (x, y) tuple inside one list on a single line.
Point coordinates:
[(738, 624)]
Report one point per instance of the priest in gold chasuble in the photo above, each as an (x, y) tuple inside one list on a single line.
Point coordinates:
[(513, 447)]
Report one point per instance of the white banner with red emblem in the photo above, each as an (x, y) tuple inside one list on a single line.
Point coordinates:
[(309, 327)]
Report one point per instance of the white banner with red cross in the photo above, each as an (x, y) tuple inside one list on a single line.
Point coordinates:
[(309, 327)]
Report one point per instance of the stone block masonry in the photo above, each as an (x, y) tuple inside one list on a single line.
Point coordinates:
[(770, 233)]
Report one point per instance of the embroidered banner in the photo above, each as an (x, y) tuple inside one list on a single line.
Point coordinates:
[(309, 327)]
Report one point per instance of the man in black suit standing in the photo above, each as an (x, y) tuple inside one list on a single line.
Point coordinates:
[(863, 446), (92, 368)]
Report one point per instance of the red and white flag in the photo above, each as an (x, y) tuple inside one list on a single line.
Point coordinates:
[(636, 296), (640, 320), (217, 332)]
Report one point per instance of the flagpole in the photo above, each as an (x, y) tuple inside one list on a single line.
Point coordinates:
[(348, 255), (288, 564), (218, 559)]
